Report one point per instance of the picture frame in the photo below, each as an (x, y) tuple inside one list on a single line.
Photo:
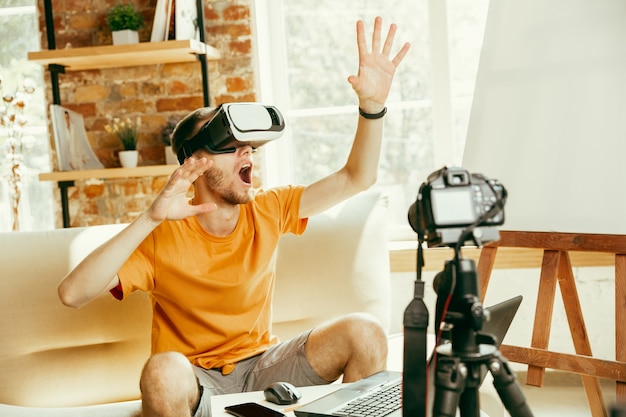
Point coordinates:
[(73, 150), (161, 22), (186, 20)]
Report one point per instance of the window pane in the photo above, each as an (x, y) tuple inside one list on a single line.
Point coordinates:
[(318, 140), (320, 52), (321, 48), (18, 29)]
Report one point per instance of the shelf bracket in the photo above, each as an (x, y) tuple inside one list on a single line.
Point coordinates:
[(55, 70), (202, 57), (47, 5), (65, 206), (205, 79)]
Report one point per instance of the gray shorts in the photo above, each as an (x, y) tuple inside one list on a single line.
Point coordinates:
[(283, 362)]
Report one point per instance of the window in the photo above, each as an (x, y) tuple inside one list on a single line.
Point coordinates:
[(306, 50), (20, 34)]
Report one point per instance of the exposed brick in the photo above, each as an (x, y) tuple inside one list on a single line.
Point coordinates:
[(86, 109), (90, 93), (181, 103), (176, 88), (123, 90), (152, 89), (73, 6), (125, 108), (66, 40), (235, 13), (152, 154), (210, 15), (234, 30), (153, 122), (238, 84), (81, 21), (90, 207), (232, 98), (240, 47), (181, 70)]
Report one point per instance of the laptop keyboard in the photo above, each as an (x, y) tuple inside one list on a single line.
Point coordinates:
[(378, 403)]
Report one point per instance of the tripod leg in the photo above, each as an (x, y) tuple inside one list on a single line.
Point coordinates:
[(508, 390), (450, 375), (469, 404)]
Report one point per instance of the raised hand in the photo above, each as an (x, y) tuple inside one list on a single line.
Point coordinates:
[(376, 69), (172, 202)]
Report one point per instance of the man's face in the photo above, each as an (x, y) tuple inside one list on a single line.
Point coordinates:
[(230, 177)]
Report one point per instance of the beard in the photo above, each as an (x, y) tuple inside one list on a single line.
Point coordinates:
[(220, 186)]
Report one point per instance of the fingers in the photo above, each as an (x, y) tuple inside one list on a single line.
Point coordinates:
[(389, 41), (192, 168), (187, 173), (360, 37), (378, 22), (401, 54), (376, 40)]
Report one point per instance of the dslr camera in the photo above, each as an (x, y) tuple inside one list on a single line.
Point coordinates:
[(453, 206)]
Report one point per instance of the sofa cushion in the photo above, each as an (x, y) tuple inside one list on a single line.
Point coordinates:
[(340, 265)]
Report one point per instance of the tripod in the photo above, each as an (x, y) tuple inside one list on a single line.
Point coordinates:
[(462, 364)]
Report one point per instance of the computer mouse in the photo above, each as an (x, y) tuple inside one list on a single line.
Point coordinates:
[(282, 393)]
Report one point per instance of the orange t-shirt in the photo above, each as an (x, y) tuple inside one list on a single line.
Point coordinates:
[(212, 296)]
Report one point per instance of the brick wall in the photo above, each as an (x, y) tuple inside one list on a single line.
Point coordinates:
[(156, 93)]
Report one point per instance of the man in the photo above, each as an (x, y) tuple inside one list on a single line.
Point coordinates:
[(208, 265)]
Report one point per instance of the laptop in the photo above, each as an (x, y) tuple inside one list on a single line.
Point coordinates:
[(380, 395)]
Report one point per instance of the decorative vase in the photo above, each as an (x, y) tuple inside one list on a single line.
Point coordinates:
[(129, 159), (170, 158), (126, 36)]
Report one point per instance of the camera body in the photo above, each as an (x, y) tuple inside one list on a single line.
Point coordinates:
[(451, 200)]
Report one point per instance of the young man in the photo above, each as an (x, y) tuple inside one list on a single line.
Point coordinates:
[(208, 265)]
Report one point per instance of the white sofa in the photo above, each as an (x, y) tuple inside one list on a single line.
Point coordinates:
[(57, 361)]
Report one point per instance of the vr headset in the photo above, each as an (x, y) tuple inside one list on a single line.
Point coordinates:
[(235, 125)]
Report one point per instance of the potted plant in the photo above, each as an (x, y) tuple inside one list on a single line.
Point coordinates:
[(127, 132), (166, 138), (124, 20)]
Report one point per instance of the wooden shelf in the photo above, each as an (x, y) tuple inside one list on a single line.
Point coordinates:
[(115, 56), (108, 173)]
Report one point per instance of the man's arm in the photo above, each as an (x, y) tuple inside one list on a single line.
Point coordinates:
[(372, 85), (97, 273)]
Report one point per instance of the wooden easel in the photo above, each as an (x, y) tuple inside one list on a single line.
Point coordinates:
[(556, 266)]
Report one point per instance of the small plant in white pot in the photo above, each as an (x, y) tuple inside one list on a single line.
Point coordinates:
[(166, 137), (127, 132), (124, 20)]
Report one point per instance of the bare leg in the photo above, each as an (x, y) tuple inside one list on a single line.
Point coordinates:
[(354, 345), (168, 386)]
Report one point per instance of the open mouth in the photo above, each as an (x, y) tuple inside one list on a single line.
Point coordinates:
[(245, 173)]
